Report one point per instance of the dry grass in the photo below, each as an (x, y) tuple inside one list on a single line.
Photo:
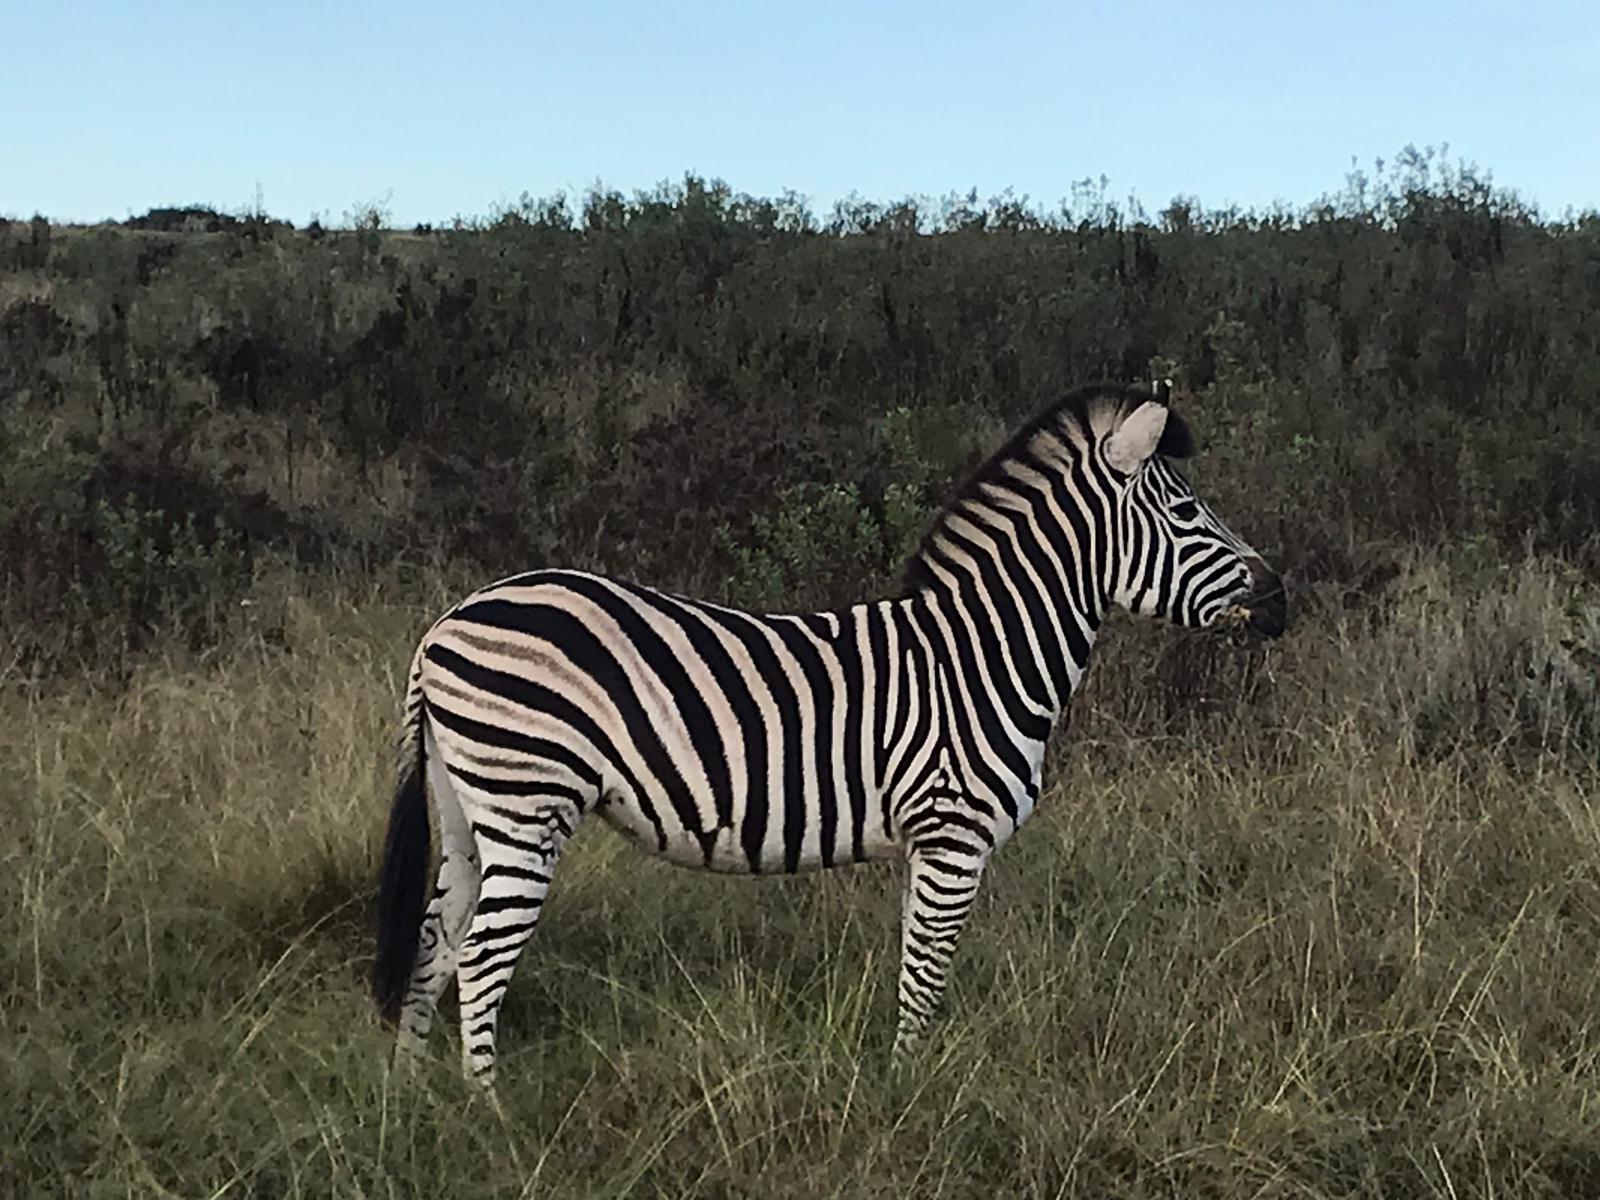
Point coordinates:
[(1332, 932)]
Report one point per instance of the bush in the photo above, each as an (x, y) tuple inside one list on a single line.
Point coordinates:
[(605, 380), (95, 569), (823, 547)]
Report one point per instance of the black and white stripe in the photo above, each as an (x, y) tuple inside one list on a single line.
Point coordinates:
[(764, 743)]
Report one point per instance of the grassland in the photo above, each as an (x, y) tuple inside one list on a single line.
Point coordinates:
[(1331, 931), (1319, 920)]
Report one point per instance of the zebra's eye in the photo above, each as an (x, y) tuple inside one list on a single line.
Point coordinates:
[(1186, 510)]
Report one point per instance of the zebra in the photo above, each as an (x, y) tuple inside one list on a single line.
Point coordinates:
[(745, 743)]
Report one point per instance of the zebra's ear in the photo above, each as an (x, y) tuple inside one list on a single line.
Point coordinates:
[(1136, 439)]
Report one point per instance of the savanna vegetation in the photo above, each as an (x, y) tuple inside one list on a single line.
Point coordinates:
[(1314, 919)]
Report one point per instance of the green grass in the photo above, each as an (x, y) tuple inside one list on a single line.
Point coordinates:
[(1331, 931)]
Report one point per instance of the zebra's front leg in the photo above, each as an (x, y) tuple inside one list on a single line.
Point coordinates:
[(940, 888), (519, 848)]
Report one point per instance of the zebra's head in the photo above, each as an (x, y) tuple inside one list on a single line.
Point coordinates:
[(1176, 557)]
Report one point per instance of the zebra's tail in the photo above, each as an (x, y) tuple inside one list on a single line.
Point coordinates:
[(403, 877)]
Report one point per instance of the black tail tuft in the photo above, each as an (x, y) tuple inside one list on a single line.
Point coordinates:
[(402, 891)]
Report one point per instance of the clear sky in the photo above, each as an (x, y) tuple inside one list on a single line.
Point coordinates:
[(110, 107)]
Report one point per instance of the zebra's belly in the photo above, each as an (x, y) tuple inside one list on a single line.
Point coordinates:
[(724, 849)]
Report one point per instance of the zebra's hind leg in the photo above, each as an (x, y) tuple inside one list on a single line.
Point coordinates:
[(940, 888), (444, 925), (519, 840)]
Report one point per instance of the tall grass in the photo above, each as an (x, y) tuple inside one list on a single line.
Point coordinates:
[(1328, 927)]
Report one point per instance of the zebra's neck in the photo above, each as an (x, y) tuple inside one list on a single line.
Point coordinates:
[(1024, 560), (1021, 637)]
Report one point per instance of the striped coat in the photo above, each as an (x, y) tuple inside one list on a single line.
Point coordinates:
[(737, 742)]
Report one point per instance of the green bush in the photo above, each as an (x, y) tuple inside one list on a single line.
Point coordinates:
[(93, 573), (604, 380), (823, 547), (162, 571)]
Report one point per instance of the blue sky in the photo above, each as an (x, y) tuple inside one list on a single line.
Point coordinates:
[(110, 108)]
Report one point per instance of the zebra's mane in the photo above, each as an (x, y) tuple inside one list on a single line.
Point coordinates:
[(1071, 416)]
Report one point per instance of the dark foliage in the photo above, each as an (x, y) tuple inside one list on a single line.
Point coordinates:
[(655, 385)]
